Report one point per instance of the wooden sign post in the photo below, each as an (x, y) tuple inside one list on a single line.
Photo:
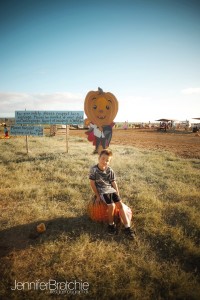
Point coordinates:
[(67, 138), (27, 144), (26, 141), (27, 131), (53, 129)]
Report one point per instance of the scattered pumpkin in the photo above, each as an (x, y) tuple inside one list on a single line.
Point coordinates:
[(41, 228)]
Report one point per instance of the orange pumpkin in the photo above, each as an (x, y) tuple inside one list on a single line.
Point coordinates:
[(101, 108), (99, 211), (41, 228)]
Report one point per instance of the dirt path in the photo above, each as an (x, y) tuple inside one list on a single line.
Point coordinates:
[(184, 144)]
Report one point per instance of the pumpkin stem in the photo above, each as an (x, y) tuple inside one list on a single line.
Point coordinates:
[(100, 90)]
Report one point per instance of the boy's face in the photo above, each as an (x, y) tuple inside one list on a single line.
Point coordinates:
[(104, 161)]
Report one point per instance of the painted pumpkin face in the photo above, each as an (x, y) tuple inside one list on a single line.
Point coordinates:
[(100, 107)]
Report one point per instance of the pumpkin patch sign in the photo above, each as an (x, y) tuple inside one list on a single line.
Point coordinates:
[(100, 108)]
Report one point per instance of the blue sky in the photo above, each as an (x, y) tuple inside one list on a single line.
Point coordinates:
[(145, 52)]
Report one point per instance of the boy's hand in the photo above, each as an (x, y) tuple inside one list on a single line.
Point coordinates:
[(114, 185)]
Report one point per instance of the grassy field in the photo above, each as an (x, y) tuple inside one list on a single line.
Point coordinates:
[(51, 186)]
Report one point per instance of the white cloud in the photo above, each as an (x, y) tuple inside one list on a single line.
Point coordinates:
[(10, 102), (190, 91)]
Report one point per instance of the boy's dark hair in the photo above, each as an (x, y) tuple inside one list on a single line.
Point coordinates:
[(106, 152)]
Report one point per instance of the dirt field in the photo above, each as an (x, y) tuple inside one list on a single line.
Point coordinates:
[(182, 143)]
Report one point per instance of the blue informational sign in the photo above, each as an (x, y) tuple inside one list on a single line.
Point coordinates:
[(26, 130), (49, 117)]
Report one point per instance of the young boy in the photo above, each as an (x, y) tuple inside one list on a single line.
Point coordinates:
[(103, 184)]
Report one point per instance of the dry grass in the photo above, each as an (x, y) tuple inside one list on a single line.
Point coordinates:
[(51, 186)]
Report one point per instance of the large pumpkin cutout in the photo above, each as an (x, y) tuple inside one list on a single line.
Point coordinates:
[(100, 108)]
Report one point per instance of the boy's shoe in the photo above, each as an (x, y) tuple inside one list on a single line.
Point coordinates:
[(130, 233), (112, 229)]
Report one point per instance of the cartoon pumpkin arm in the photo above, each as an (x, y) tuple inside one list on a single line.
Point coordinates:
[(91, 136)]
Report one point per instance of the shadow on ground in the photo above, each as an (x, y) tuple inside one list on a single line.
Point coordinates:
[(23, 236)]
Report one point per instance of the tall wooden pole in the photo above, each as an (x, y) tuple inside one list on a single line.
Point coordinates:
[(26, 141), (67, 138)]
